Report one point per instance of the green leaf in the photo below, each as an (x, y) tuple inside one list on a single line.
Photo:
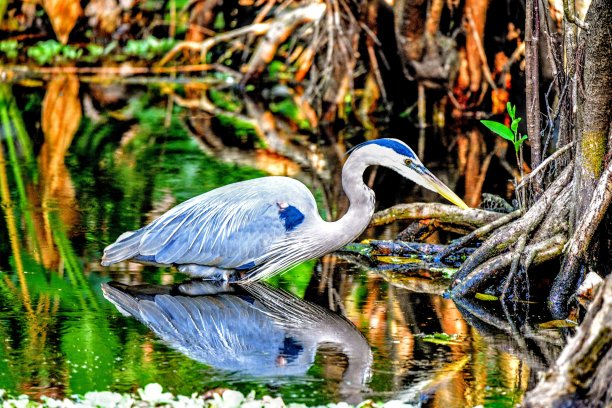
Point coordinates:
[(484, 296), (499, 129), (519, 142), (556, 324), (95, 50), (514, 124), (509, 109), (440, 338)]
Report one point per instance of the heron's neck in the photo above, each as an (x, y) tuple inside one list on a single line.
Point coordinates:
[(361, 198)]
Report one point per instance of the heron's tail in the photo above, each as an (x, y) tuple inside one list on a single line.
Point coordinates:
[(125, 247)]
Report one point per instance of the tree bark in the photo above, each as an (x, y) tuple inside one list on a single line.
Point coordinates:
[(532, 77), (409, 16), (581, 375), (593, 117)]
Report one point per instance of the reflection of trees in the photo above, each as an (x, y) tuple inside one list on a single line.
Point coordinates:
[(61, 115), (538, 348), (39, 211), (488, 362)]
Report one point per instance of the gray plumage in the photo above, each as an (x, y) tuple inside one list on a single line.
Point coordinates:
[(265, 225), (255, 330)]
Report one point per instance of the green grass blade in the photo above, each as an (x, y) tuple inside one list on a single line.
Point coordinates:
[(8, 125)]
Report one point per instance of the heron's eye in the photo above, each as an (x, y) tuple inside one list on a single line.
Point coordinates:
[(408, 162)]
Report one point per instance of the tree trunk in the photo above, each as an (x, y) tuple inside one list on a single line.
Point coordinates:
[(593, 128), (581, 376)]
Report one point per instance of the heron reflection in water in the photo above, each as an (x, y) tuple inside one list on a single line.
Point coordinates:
[(254, 229), (248, 329)]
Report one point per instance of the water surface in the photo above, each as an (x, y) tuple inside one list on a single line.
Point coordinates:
[(82, 163)]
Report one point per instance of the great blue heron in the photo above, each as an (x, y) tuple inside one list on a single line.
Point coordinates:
[(248, 329), (260, 227)]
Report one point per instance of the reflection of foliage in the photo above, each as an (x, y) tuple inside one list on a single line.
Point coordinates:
[(151, 162), (242, 129), (225, 100), (63, 333), (296, 279), (10, 48), (148, 47), (291, 111)]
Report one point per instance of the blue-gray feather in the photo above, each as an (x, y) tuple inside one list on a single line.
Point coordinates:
[(263, 226), (229, 227), (257, 329), (223, 330), (393, 144)]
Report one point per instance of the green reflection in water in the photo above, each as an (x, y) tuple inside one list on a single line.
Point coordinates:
[(60, 336)]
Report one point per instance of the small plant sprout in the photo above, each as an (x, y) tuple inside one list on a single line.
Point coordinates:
[(510, 133)]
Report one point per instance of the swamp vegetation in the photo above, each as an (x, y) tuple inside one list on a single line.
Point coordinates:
[(113, 111)]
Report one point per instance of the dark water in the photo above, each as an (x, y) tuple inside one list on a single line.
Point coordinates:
[(83, 163)]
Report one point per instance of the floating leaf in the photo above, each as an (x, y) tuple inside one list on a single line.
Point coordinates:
[(440, 338), (557, 324), (397, 260), (499, 129), (63, 15), (484, 296)]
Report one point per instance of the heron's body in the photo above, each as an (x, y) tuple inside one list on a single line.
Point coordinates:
[(263, 226)]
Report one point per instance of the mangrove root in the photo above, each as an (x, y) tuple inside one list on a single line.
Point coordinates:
[(495, 268), (583, 369), (444, 213), (506, 236)]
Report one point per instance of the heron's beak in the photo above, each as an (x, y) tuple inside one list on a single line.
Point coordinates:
[(431, 182)]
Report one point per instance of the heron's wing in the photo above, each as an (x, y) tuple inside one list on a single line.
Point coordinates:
[(223, 330), (229, 227)]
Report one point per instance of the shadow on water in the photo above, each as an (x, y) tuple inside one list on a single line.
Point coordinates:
[(80, 164)]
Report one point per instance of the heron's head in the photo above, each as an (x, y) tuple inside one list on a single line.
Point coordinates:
[(396, 155)]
